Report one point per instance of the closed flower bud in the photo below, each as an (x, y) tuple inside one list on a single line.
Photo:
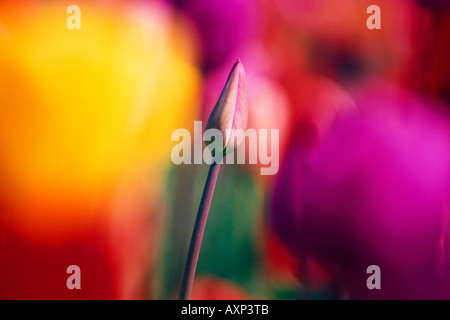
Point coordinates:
[(230, 112)]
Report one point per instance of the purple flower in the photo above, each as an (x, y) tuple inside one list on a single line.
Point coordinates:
[(223, 25), (374, 192)]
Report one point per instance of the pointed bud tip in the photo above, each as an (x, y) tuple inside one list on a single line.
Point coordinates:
[(237, 65)]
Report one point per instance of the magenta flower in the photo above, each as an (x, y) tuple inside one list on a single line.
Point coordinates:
[(373, 192), (223, 26)]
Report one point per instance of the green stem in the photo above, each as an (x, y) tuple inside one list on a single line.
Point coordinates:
[(197, 235)]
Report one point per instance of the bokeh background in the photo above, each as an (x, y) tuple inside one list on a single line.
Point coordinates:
[(86, 178)]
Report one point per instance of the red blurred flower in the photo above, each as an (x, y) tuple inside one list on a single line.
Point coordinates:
[(213, 288)]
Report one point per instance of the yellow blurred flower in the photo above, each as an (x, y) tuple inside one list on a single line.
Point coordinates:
[(79, 108)]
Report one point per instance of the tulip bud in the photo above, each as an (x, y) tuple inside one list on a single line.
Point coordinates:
[(230, 112), (228, 118)]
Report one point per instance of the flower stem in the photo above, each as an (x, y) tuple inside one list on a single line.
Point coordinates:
[(196, 240)]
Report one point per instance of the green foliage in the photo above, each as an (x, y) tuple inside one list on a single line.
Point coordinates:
[(228, 248)]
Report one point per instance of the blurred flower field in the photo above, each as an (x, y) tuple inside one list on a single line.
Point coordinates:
[(86, 176)]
